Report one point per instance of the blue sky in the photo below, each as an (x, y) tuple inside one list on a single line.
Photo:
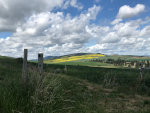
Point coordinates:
[(109, 9), (70, 26), (5, 34)]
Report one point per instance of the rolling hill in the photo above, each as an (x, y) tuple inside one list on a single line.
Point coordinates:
[(80, 89), (95, 60), (74, 57)]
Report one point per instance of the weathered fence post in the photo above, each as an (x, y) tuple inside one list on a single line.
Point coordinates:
[(24, 70), (40, 63), (142, 73)]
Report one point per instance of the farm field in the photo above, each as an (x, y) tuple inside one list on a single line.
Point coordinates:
[(86, 57), (96, 60), (90, 64), (74, 58), (82, 60), (76, 89), (125, 57)]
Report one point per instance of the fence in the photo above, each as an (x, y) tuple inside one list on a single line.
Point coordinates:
[(40, 67), (24, 70)]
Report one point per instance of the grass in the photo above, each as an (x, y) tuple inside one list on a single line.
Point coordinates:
[(122, 86), (90, 64), (76, 89), (125, 57), (98, 75), (37, 96)]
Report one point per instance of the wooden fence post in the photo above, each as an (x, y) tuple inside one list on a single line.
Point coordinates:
[(40, 63), (24, 70), (142, 73)]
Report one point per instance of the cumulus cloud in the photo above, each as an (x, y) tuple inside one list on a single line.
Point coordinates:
[(131, 37), (116, 21), (72, 3), (16, 12), (128, 12), (51, 33), (75, 4), (56, 33)]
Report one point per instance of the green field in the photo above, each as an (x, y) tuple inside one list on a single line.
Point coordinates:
[(100, 61), (125, 57), (90, 64), (76, 88)]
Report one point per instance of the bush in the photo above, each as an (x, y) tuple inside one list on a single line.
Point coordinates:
[(19, 60)]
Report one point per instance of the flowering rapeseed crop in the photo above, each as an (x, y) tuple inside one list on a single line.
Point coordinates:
[(73, 58)]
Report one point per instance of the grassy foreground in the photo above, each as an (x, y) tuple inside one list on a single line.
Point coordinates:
[(74, 89)]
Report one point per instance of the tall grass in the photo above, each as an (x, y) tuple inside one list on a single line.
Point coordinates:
[(76, 89), (126, 80), (40, 94)]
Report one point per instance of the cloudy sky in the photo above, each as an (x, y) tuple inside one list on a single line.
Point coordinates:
[(58, 27)]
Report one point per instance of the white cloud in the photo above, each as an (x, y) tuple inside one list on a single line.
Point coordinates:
[(131, 37), (116, 21), (127, 11), (41, 30), (72, 3), (111, 37), (76, 5), (51, 33), (16, 12)]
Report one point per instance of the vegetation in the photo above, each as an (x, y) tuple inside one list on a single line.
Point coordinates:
[(100, 60), (74, 58), (72, 89), (125, 61), (125, 57), (90, 64)]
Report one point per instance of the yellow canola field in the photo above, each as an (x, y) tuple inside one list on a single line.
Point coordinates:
[(73, 58)]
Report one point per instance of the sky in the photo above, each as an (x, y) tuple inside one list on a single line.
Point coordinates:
[(59, 27)]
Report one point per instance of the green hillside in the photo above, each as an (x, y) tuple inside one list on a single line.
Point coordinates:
[(98, 61), (72, 89), (74, 57)]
